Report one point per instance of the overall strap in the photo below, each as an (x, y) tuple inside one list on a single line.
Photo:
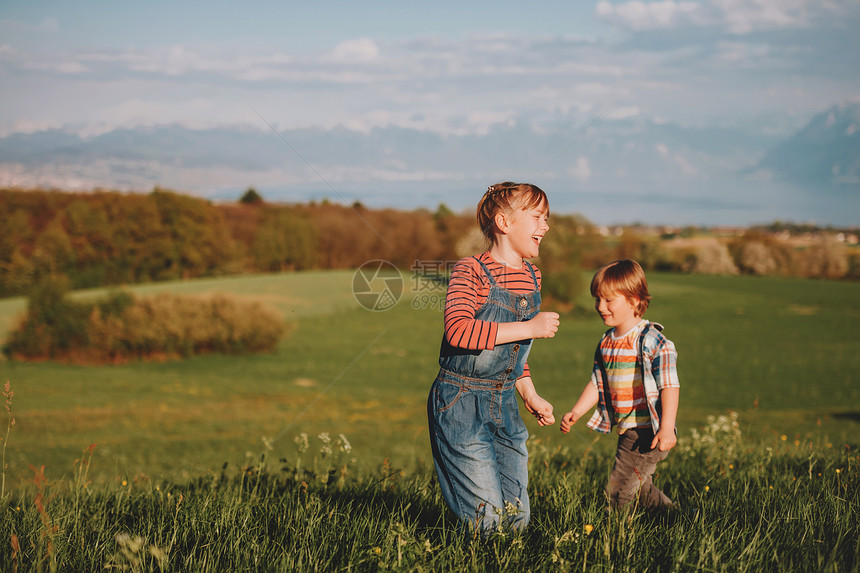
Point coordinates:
[(486, 270), (532, 270)]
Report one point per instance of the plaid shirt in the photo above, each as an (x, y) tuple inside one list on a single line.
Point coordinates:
[(658, 360)]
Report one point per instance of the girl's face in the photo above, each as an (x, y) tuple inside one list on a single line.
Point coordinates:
[(526, 230)]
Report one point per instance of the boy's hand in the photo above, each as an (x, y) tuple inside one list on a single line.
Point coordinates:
[(540, 409), (544, 325), (665, 439), (568, 420)]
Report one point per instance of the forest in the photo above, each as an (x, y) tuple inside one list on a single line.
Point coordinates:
[(106, 238)]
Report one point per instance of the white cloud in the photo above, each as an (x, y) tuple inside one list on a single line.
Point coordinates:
[(581, 171), (46, 26), (743, 17), (735, 16), (637, 15), (361, 50), (622, 112), (686, 167)]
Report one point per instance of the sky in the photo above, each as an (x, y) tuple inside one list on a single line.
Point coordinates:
[(447, 69)]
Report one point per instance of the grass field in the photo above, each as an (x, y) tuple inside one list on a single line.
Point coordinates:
[(781, 353)]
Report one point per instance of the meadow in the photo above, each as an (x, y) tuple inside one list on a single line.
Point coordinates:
[(316, 457)]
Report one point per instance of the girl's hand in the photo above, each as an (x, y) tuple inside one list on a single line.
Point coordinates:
[(540, 409), (544, 325), (568, 420), (665, 439)]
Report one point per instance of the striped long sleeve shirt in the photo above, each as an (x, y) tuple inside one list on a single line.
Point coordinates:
[(467, 292)]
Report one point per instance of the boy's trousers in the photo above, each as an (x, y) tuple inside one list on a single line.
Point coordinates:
[(635, 462)]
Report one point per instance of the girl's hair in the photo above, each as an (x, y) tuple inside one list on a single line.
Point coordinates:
[(624, 277), (505, 197)]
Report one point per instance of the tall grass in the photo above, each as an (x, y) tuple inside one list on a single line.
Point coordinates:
[(774, 507)]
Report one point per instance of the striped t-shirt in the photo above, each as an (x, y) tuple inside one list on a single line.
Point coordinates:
[(626, 387), (468, 290)]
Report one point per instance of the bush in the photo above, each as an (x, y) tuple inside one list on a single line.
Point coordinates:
[(826, 259), (756, 258), (711, 258), (53, 323), (120, 327)]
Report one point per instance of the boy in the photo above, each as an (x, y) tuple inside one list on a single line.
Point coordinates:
[(634, 384)]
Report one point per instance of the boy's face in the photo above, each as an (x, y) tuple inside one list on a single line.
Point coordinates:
[(618, 311)]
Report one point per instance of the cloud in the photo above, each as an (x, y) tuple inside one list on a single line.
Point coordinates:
[(46, 26), (622, 112), (737, 17), (581, 171), (637, 15), (679, 63), (361, 50)]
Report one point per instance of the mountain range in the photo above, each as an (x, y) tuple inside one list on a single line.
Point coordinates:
[(611, 171)]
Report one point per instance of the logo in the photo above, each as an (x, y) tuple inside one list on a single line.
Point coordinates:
[(377, 285)]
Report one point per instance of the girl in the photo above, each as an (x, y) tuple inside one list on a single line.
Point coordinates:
[(491, 316)]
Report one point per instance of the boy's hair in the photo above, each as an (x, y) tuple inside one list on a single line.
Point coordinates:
[(624, 277), (505, 197)]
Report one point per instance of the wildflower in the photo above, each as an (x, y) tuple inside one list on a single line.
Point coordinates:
[(325, 438), (588, 528), (838, 470), (302, 443), (377, 550), (783, 437), (124, 482), (731, 466), (344, 444), (707, 488)]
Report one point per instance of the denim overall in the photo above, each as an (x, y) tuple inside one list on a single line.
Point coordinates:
[(476, 432)]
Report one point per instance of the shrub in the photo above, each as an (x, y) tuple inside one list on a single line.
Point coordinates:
[(120, 327), (826, 259), (755, 257), (711, 258)]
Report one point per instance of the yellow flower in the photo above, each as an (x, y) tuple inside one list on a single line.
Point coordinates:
[(124, 482), (783, 437), (838, 470), (377, 550), (588, 528), (707, 488)]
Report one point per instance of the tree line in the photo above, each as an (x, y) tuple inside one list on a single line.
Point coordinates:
[(105, 238)]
